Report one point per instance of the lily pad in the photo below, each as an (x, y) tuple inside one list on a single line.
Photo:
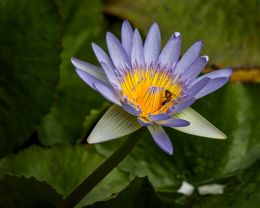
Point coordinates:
[(139, 193), (147, 159), (83, 23), (27, 193), (64, 167), (30, 56)]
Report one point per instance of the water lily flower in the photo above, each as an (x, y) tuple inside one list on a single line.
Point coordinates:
[(150, 87)]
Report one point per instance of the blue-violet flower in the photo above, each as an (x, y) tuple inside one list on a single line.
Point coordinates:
[(150, 87)]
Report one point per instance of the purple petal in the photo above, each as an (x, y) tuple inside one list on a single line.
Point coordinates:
[(111, 76), (215, 74), (130, 109), (101, 55), (107, 92), (126, 37), (174, 122), (90, 80), (194, 70), (189, 57), (137, 55), (152, 45), (89, 69), (117, 52), (144, 122), (161, 138), (219, 73), (159, 117), (194, 89), (185, 103), (171, 51), (213, 85)]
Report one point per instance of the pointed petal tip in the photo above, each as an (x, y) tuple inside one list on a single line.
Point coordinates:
[(206, 58), (94, 45), (161, 138), (126, 23), (136, 31), (185, 123), (199, 126), (221, 135), (171, 152), (229, 72), (110, 36), (155, 28), (73, 61), (200, 42), (76, 63), (155, 25), (168, 151), (177, 34), (91, 140)]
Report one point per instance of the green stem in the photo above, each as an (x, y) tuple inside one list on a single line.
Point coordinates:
[(101, 172)]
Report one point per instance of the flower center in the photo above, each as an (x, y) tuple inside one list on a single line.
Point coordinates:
[(151, 91)]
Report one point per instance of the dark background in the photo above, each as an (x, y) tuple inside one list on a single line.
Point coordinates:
[(46, 111)]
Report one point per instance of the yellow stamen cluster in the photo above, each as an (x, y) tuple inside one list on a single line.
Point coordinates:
[(150, 91)]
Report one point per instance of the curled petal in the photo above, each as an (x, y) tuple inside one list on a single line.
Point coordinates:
[(199, 126), (115, 123)]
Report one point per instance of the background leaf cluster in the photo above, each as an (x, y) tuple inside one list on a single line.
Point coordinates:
[(46, 111)]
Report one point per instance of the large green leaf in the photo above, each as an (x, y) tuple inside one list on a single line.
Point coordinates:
[(139, 193), (229, 28), (30, 56), (240, 191), (147, 159), (82, 24), (64, 167), (27, 193)]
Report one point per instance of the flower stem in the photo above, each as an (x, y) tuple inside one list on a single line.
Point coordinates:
[(101, 172)]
